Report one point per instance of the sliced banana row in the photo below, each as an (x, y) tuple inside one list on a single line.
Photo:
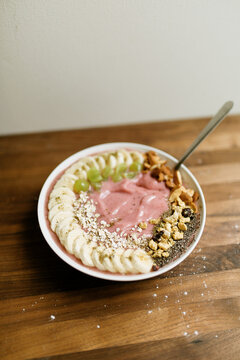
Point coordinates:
[(115, 260), (70, 233), (80, 168)]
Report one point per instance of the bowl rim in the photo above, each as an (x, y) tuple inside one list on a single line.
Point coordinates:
[(92, 271)]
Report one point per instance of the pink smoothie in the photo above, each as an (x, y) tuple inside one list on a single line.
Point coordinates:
[(126, 203)]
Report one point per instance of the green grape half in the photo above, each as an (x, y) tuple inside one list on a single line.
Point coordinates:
[(116, 177), (107, 171), (80, 185), (94, 175), (96, 185), (135, 167), (121, 168), (130, 175)]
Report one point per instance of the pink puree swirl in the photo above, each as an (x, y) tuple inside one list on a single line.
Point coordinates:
[(128, 202)]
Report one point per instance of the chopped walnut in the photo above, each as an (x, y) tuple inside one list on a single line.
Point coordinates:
[(164, 246), (167, 171), (159, 252), (194, 207), (190, 192), (153, 245), (165, 254), (182, 226), (177, 235), (175, 194), (154, 221), (173, 218), (186, 197), (170, 184), (153, 158), (142, 225), (166, 234), (184, 220), (177, 177), (195, 196)]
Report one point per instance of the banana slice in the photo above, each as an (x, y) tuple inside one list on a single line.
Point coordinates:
[(107, 260), (64, 199), (137, 156), (127, 157), (120, 157), (116, 260), (91, 162), (64, 233), (86, 254), (112, 161), (77, 166), (126, 260), (64, 227), (97, 258), (78, 243), (66, 180), (73, 237), (62, 191), (59, 207), (59, 217), (101, 162), (142, 262), (79, 172), (67, 222)]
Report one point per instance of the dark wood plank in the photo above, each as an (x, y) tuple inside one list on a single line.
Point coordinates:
[(202, 348)]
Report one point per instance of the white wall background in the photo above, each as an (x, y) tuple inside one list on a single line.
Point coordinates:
[(81, 63)]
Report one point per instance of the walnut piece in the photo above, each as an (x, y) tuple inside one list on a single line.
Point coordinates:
[(182, 226), (142, 225), (177, 177), (153, 245), (177, 235), (185, 198)]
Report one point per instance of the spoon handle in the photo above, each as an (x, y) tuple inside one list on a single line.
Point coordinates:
[(220, 115)]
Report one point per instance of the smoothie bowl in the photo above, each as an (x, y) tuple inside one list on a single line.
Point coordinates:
[(119, 211)]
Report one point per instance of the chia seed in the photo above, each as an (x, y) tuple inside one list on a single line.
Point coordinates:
[(180, 246)]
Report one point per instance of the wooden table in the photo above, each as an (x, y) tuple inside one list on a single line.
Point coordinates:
[(51, 311)]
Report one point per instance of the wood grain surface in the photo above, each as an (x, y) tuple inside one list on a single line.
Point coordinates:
[(51, 311)]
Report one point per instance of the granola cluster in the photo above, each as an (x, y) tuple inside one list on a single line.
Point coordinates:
[(170, 228)]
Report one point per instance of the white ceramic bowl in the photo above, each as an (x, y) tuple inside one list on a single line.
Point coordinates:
[(56, 246)]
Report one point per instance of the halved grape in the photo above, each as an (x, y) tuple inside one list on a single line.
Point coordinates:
[(130, 175), (80, 185), (94, 175), (116, 177), (135, 166), (107, 171), (121, 168), (96, 185)]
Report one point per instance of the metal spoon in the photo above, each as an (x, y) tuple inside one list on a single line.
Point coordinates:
[(220, 115)]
